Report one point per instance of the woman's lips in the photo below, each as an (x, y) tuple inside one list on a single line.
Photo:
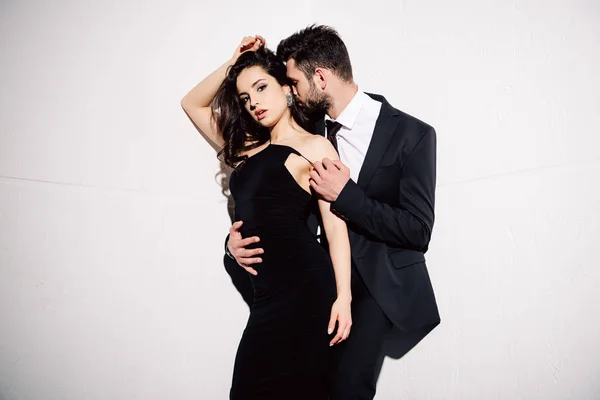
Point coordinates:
[(260, 114)]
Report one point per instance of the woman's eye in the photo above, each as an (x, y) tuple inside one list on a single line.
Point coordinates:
[(260, 88), (244, 100)]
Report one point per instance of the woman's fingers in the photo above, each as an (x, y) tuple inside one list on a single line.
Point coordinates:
[(247, 40), (332, 320), (340, 330), (262, 39), (346, 333), (258, 43), (343, 331), (252, 43)]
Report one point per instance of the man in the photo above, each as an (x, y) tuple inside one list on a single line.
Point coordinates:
[(384, 188)]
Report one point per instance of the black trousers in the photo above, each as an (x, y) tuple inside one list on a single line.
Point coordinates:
[(358, 360)]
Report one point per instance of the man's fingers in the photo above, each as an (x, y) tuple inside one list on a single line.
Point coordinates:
[(338, 164), (314, 175), (243, 253), (333, 165), (327, 163), (248, 241), (248, 261), (314, 186), (236, 226), (250, 270), (318, 166), (318, 189)]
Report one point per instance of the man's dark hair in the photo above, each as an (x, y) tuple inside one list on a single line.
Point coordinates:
[(317, 46)]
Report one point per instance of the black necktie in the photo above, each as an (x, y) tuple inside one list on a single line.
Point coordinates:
[(333, 128)]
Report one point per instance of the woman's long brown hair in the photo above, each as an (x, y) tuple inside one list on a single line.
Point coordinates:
[(239, 130)]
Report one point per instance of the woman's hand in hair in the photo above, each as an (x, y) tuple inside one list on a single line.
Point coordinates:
[(249, 43)]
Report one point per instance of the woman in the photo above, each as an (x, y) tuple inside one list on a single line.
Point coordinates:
[(299, 291)]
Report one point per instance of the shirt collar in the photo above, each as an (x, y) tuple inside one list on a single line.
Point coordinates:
[(348, 117)]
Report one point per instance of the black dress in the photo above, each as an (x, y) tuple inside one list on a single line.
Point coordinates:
[(284, 350)]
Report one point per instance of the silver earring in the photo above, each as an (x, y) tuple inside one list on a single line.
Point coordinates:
[(290, 99)]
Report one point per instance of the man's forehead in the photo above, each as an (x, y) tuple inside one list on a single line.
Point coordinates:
[(291, 67)]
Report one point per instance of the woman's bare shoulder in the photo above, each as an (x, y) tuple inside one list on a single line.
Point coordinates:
[(318, 147)]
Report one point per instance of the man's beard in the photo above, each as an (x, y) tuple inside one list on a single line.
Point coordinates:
[(316, 105)]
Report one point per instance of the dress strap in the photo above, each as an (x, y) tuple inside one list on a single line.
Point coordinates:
[(299, 154)]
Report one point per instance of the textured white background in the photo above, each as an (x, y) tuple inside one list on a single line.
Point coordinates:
[(112, 219)]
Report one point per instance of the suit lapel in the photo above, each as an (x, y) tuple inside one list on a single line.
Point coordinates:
[(382, 134)]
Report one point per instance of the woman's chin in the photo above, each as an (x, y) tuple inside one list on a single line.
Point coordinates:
[(267, 122)]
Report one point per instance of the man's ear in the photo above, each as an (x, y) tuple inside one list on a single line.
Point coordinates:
[(320, 77)]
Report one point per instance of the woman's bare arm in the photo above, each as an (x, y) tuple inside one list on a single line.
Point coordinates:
[(334, 227), (339, 249), (197, 102)]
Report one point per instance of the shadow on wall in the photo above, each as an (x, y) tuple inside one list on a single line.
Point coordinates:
[(6, 393)]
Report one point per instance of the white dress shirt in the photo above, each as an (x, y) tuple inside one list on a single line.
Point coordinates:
[(358, 122)]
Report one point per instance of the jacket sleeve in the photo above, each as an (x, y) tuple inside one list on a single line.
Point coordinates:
[(409, 224)]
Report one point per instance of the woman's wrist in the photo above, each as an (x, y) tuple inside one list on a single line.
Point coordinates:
[(345, 295), (232, 61)]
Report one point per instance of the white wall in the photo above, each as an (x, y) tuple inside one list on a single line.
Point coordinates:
[(112, 219)]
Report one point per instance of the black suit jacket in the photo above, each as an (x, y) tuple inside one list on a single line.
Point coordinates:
[(390, 214)]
